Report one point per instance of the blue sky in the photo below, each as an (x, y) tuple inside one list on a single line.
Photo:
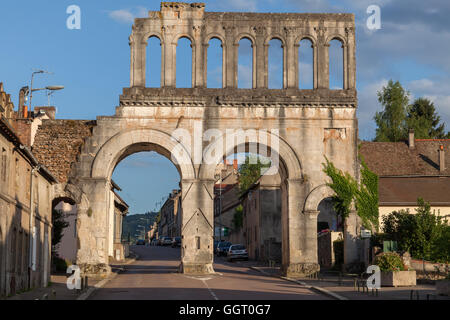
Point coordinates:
[(412, 46)]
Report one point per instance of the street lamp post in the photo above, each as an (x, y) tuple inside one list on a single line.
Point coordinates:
[(48, 88)]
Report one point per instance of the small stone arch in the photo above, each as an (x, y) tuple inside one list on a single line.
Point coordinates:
[(151, 35), (245, 35), (114, 149), (183, 35), (307, 37), (214, 35), (337, 37), (276, 37), (316, 196)]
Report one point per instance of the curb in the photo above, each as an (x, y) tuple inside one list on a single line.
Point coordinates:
[(90, 291), (304, 285)]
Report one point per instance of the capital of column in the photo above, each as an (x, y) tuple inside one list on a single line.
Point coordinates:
[(311, 213)]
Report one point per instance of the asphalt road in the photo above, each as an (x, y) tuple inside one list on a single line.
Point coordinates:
[(154, 277)]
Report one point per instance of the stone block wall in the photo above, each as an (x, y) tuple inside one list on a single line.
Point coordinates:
[(58, 143)]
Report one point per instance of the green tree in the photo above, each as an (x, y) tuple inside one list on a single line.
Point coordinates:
[(250, 172), (391, 122), (344, 187), (366, 197), (422, 117), (59, 224), (238, 217)]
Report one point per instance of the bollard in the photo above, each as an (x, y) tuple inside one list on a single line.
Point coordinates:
[(411, 295), (86, 284), (340, 278)]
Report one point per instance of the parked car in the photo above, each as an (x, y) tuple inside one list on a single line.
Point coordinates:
[(166, 241), (222, 248), (176, 242), (140, 242), (237, 251)]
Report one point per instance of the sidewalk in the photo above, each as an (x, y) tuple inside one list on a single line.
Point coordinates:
[(346, 288), (58, 289)]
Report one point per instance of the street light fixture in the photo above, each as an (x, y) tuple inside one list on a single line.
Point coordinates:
[(50, 89)]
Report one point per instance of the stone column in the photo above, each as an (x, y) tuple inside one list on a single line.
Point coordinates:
[(204, 52), (323, 66), (310, 244), (351, 238), (351, 59), (169, 66), (259, 54), (231, 54), (345, 66), (290, 65), (138, 60), (197, 227), (266, 65), (315, 65), (299, 245), (92, 229)]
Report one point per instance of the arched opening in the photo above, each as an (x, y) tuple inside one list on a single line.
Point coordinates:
[(215, 64), (306, 64), (184, 63), (245, 64), (153, 65), (64, 233), (249, 205), (330, 235), (276, 64), (145, 205), (336, 58)]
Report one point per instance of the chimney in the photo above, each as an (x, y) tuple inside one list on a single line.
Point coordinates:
[(441, 158), (411, 139)]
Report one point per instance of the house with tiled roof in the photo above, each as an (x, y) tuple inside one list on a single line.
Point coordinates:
[(408, 170)]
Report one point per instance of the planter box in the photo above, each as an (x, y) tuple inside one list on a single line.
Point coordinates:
[(398, 278), (443, 287)]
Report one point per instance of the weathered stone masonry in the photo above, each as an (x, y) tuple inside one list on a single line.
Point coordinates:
[(311, 124)]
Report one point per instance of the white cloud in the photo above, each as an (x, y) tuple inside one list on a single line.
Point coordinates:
[(127, 16)]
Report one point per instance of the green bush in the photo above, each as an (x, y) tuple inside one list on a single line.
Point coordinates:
[(424, 234), (390, 261)]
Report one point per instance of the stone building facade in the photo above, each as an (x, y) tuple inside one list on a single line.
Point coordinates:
[(171, 212), (262, 219), (26, 192)]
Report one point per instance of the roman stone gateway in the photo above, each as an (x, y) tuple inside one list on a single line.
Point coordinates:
[(302, 126)]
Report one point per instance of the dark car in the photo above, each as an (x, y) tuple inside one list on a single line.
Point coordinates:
[(237, 251), (222, 248), (140, 242), (176, 242)]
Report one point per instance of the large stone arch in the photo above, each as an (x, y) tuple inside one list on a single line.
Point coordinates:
[(286, 154), (115, 149)]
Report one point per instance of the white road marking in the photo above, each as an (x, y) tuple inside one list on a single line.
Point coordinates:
[(210, 291)]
